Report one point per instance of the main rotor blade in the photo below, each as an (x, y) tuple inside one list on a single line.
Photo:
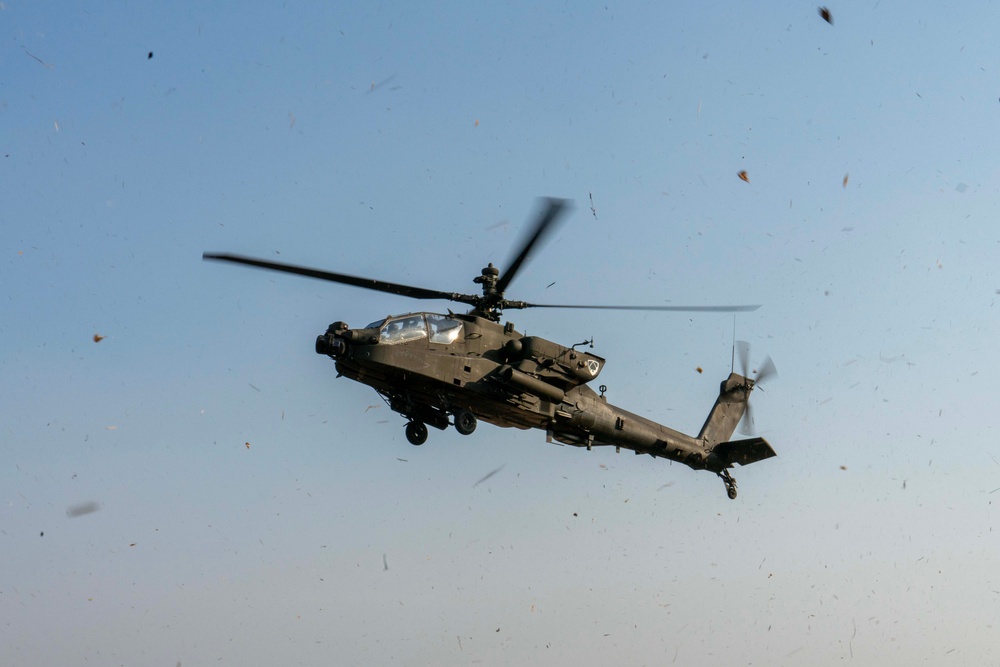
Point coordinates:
[(678, 309), (367, 283), (542, 226)]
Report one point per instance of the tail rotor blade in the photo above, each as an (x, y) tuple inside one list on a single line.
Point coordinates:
[(766, 370), (743, 353), (746, 425)]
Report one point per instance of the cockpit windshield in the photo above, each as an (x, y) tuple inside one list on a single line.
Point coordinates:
[(403, 329), (444, 330)]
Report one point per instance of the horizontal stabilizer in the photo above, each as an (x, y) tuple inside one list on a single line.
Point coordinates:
[(744, 452)]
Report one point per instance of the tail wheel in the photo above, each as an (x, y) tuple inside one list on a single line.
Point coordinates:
[(730, 483), (465, 422), (416, 432)]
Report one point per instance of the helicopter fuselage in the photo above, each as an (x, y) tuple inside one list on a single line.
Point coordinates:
[(443, 369)]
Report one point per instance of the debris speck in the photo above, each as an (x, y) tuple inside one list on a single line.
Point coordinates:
[(291, 120), (592, 209), (50, 66), (843, 467), (477, 123), (961, 188), (252, 386), (490, 474), (827, 16), (247, 444), (149, 56), (98, 338), (845, 180), (89, 507), (743, 176), (385, 563), (700, 369)]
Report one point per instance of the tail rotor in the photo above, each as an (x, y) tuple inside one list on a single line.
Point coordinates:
[(766, 370)]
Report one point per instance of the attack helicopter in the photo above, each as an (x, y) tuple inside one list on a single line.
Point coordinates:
[(457, 369)]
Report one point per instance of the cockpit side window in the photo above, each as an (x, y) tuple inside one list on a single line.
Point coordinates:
[(444, 330), (403, 330)]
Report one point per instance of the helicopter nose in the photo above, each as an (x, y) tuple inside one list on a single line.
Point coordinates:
[(321, 345), (330, 345)]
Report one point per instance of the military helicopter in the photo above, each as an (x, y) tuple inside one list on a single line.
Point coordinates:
[(459, 368)]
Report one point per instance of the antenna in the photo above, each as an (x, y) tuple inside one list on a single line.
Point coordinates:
[(732, 359)]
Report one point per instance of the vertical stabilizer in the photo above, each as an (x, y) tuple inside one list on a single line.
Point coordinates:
[(727, 411)]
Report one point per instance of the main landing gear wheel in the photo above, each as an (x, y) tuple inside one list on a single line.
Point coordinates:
[(730, 484), (416, 432), (465, 422)]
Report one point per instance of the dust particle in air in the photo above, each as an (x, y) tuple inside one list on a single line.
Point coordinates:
[(89, 507)]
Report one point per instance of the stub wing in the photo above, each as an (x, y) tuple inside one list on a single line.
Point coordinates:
[(743, 452)]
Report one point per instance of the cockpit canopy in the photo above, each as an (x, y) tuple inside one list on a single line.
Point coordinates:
[(439, 329)]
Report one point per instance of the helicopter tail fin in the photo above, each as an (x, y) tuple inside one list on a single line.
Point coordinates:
[(727, 411)]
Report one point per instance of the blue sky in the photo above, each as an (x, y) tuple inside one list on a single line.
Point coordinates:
[(410, 143)]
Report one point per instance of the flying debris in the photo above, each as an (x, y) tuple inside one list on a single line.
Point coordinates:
[(98, 338), (32, 55), (488, 475), (827, 16), (90, 507), (743, 176)]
